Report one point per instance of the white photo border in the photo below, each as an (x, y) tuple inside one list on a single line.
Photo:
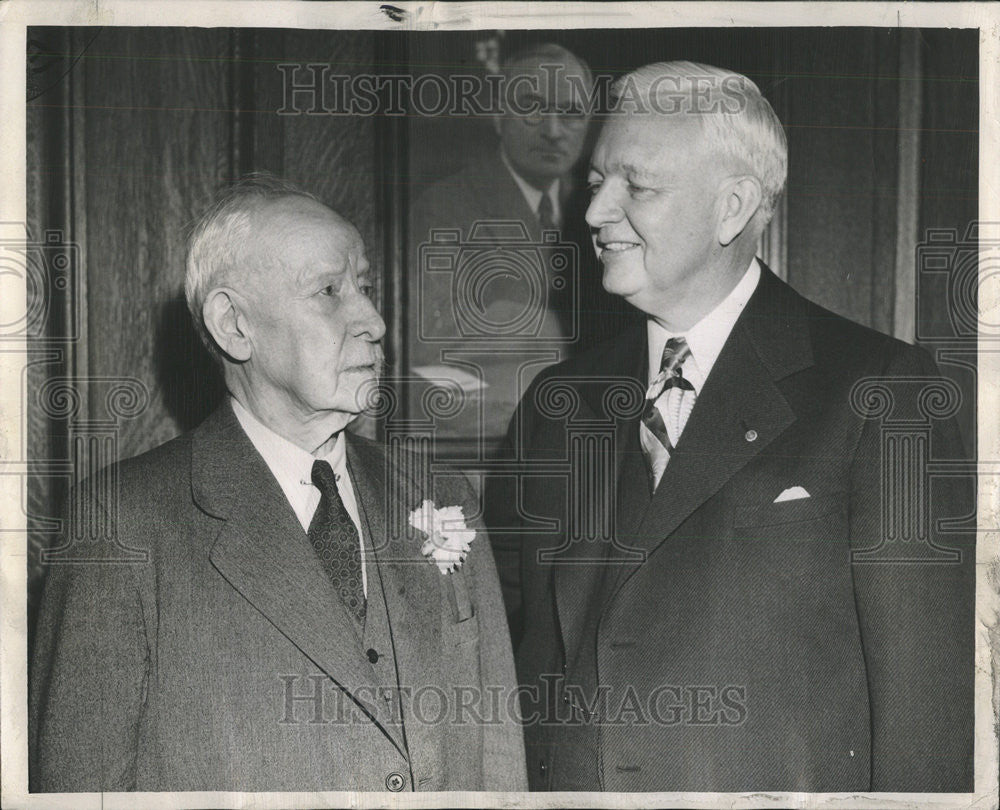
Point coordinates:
[(17, 15)]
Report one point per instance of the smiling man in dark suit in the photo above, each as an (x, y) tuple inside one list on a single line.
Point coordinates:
[(312, 615), (724, 605)]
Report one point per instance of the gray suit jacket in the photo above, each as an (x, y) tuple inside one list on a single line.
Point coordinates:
[(228, 662)]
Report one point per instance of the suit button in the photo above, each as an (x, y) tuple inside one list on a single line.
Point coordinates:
[(372, 655), (543, 769), (395, 782)]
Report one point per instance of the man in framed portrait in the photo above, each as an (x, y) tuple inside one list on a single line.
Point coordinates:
[(502, 272)]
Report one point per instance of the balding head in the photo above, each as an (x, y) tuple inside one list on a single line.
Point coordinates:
[(222, 247), (281, 289)]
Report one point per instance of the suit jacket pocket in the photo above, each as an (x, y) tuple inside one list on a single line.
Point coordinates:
[(463, 632), (794, 511)]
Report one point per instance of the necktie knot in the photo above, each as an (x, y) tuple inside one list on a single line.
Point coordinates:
[(675, 352), (324, 478), (675, 396)]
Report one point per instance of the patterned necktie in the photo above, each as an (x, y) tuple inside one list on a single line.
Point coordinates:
[(335, 538), (546, 214), (676, 396)]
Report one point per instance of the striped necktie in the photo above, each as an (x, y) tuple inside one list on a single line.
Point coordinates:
[(669, 395)]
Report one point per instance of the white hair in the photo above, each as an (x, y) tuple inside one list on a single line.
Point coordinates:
[(737, 120), (218, 248)]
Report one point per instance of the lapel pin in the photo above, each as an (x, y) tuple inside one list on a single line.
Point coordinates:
[(750, 435)]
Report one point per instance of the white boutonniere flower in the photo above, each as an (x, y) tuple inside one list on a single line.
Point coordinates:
[(448, 538)]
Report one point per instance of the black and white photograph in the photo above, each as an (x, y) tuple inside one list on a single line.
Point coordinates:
[(520, 404)]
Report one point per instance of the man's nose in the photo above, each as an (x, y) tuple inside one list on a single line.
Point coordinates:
[(370, 323), (552, 126), (603, 208)]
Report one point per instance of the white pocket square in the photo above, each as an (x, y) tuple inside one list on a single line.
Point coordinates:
[(792, 494)]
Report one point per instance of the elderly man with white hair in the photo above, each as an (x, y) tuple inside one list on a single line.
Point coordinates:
[(312, 614), (748, 587)]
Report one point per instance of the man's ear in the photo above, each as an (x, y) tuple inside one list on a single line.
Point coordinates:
[(743, 196), (227, 324)]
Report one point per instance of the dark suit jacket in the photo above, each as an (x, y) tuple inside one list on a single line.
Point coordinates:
[(754, 645), (483, 191), (200, 669)]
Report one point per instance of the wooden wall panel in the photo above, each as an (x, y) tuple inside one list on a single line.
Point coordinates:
[(157, 147), (949, 154), (949, 193), (885, 88), (56, 344), (332, 156), (832, 182)]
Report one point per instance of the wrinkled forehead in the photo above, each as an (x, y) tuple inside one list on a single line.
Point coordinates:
[(299, 230), (553, 79), (650, 141), (295, 243)]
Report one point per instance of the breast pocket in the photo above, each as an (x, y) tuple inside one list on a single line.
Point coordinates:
[(460, 633), (774, 514), (820, 517)]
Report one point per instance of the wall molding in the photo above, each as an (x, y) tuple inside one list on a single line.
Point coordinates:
[(904, 314)]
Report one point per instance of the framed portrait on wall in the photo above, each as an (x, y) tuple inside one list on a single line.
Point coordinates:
[(501, 277)]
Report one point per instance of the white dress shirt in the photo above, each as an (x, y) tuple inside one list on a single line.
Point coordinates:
[(705, 339), (292, 468), (532, 195)]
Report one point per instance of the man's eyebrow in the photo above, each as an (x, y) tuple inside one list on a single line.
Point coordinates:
[(637, 171), (313, 274), (627, 168)]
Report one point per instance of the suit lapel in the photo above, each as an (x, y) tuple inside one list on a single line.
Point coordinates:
[(579, 570), (739, 412), (262, 552), (624, 361), (501, 197)]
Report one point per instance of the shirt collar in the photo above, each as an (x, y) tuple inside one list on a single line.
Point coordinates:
[(289, 463), (707, 337), (531, 194)]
